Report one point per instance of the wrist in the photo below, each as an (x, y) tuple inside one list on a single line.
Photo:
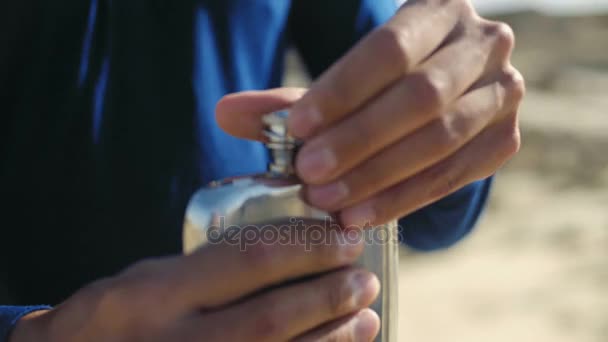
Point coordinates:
[(30, 327)]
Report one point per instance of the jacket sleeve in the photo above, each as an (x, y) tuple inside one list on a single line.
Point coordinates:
[(323, 31), (10, 315)]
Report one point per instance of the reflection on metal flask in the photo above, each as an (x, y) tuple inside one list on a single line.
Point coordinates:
[(244, 202)]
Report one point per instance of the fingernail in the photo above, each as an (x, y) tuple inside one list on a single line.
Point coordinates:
[(304, 122), (367, 326), (329, 195), (316, 164), (365, 288), (360, 216)]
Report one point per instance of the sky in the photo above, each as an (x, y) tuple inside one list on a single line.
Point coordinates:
[(558, 7)]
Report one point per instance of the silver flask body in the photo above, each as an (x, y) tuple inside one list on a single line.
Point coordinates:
[(275, 197)]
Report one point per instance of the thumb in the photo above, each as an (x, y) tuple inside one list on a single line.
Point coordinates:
[(240, 114)]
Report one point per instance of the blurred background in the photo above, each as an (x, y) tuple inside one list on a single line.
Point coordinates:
[(536, 268)]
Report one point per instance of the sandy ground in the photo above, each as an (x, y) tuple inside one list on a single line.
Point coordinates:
[(536, 268)]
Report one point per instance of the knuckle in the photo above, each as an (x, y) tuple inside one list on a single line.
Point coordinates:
[(446, 187), (361, 131), (444, 180), (448, 135), (511, 140), (501, 34), (97, 292), (137, 295), (107, 299), (426, 92), (361, 183), (109, 296), (385, 205), (139, 284), (514, 84), (391, 42), (103, 303), (335, 94), (467, 9), (507, 143)]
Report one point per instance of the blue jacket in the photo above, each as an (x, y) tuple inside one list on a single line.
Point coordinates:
[(107, 126)]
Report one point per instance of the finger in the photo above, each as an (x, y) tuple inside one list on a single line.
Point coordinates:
[(477, 160), (408, 105), (360, 327), (240, 114), (425, 147), (288, 312), (379, 60), (222, 273)]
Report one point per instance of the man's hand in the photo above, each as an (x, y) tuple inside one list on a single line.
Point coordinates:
[(217, 294), (418, 109)]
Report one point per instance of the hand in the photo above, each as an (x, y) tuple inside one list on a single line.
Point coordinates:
[(418, 109), (214, 295)]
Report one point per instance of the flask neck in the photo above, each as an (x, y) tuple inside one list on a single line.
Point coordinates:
[(282, 148), (281, 163)]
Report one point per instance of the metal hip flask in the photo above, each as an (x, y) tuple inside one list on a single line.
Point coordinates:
[(275, 196)]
